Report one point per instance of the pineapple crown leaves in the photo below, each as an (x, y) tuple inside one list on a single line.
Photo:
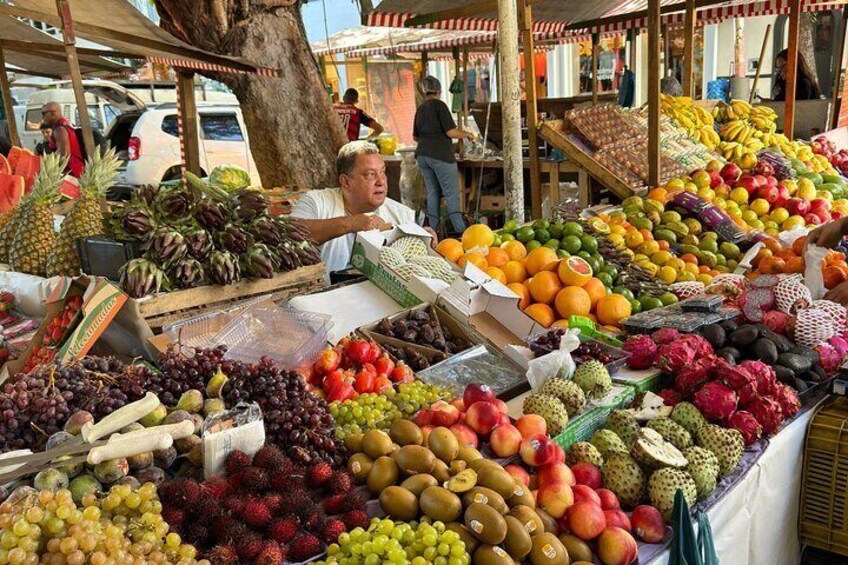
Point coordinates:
[(100, 171), (49, 179)]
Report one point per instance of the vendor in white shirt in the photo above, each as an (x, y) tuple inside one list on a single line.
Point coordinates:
[(335, 215)]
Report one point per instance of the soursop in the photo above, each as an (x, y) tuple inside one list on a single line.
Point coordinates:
[(571, 395), (663, 485), (623, 476), (726, 444), (584, 451), (653, 451), (624, 424), (672, 432), (687, 415), (550, 408), (704, 468), (593, 378), (607, 442)]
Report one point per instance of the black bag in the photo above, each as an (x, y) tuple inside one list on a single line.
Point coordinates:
[(99, 141)]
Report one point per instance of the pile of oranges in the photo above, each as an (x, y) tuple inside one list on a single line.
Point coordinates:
[(550, 289), (773, 259)]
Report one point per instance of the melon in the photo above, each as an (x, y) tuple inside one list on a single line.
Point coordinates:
[(574, 271), (11, 191), (4, 165)]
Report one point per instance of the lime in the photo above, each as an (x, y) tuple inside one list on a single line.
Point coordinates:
[(600, 259), (541, 224), (553, 244), (611, 270), (605, 278), (589, 243), (510, 226), (572, 228), (635, 306), (507, 237), (593, 262), (649, 303), (556, 231), (624, 291), (531, 245), (668, 298), (542, 234), (571, 243), (497, 240), (585, 255), (563, 254), (524, 234)]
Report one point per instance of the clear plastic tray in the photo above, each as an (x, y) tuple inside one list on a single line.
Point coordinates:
[(201, 331), (476, 365)]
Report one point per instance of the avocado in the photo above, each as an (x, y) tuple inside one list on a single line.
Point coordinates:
[(730, 354), (800, 385), (765, 351), (798, 363), (716, 335), (781, 342), (820, 372), (784, 375), (744, 336), (807, 353), (729, 326)]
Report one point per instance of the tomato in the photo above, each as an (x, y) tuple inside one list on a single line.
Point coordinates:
[(358, 351)]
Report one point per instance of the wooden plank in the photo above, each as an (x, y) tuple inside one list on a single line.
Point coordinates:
[(595, 47), (654, 93), (212, 294), (188, 109), (689, 49), (510, 94), (532, 111), (837, 73), (67, 27), (8, 105), (551, 131), (792, 68), (759, 65)]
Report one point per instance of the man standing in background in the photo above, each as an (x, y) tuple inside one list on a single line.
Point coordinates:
[(352, 116)]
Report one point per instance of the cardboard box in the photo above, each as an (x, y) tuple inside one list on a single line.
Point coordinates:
[(643, 381)]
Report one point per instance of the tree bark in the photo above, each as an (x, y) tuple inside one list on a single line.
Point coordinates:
[(294, 132), (806, 43)]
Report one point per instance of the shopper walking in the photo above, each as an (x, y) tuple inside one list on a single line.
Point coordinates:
[(65, 136), (353, 116), (806, 86), (434, 130)]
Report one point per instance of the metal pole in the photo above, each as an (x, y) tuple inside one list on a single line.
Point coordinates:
[(654, 93), (837, 72), (595, 47), (67, 26), (531, 110), (689, 50), (511, 108), (792, 68), (7, 100)]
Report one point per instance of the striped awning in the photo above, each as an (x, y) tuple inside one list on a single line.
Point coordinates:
[(396, 40)]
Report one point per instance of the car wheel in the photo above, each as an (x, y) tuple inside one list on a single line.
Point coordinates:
[(174, 173)]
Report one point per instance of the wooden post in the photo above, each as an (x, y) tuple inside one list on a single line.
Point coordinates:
[(463, 117), (792, 68), (456, 72), (8, 106), (759, 65), (187, 107), (510, 95), (531, 109), (654, 93), (595, 47), (634, 39), (689, 49), (837, 73), (67, 26)]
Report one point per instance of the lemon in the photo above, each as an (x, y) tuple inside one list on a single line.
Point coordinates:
[(661, 258), (779, 215), (667, 274), (760, 206), (739, 195)]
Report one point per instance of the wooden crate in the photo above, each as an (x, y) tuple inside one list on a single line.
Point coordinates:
[(170, 307)]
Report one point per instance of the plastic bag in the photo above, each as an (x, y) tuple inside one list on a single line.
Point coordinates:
[(240, 428), (814, 258), (787, 238), (557, 364), (687, 548)]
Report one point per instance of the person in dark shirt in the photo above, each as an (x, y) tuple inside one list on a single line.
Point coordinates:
[(806, 87), (434, 130), (352, 116), (47, 144)]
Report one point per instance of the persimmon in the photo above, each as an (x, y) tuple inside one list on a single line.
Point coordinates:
[(833, 277), (772, 266)]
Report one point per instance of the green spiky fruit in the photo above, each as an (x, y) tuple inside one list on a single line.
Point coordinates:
[(624, 425), (593, 378), (687, 415), (391, 257), (607, 442), (571, 395), (663, 485), (550, 408), (583, 451), (410, 247), (704, 468), (672, 432), (623, 476), (727, 445), (651, 450)]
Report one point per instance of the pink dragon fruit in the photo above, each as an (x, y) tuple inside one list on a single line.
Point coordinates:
[(716, 401), (768, 413), (669, 396), (829, 358), (642, 350), (664, 336), (734, 376), (699, 344), (776, 321), (763, 374), (747, 425), (840, 344), (755, 303), (788, 399), (674, 356)]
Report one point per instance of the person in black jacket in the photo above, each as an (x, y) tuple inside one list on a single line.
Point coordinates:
[(806, 86)]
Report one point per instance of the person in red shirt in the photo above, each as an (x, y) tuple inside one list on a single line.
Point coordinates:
[(352, 116), (65, 137)]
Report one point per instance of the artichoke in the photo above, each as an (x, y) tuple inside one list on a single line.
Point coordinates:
[(187, 273), (234, 239), (147, 193), (223, 268), (141, 277), (166, 247), (260, 262), (211, 216), (172, 204), (248, 204), (199, 243), (265, 231)]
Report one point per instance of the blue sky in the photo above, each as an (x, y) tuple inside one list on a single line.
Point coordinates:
[(341, 14)]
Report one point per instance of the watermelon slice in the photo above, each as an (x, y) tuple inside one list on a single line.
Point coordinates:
[(69, 187), (11, 191), (14, 155), (28, 166), (4, 165)]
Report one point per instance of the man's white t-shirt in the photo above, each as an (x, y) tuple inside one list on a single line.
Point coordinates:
[(328, 204)]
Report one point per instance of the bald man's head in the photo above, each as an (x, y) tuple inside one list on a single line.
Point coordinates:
[(51, 113)]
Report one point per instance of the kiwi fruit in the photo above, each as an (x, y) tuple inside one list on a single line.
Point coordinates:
[(441, 471), (462, 481), (484, 495), (353, 442), (518, 542), (399, 503), (478, 464), (417, 483), (468, 454), (486, 523), (359, 465), (529, 518), (465, 535), (457, 466), (548, 550), (404, 432), (440, 504), (491, 555), (376, 443), (521, 496), (443, 444), (549, 521), (384, 473), (413, 459), (577, 549), (495, 478)]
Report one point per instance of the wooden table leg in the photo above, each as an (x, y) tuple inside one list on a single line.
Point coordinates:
[(554, 182), (583, 188)]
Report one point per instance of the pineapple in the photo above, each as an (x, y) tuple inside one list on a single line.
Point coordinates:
[(35, 238), (85, 218), (8, 226)]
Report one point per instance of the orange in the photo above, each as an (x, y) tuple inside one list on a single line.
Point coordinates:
[(497, 257), (515, 250), (795, 265), (574, 271), (761, 254), (544, 287), (612, 309), (833, 277), (560, 324), (772, 266), (785, 254), (798, 246), (450, 249), (659, 194), (573, 300), (689, 258), (496, 274), (596, 290), (478, 235), (514, 272), (475, 259), (772, 245), (538, 259), (542, 313), (702, 269), (523, 293)]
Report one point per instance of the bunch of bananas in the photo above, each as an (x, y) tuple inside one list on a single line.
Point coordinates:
[(745, 128), (697, 121)]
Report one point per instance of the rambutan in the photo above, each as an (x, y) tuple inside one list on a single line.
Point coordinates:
[(196, 534), (216, 486), (304, 508), (235, 504), (271, 554), (269, 457), (335, 504), (319, 474), (206, 509), (249, 546), (354, 501), (315, 521), (331, 531), (237, 461), (304, 547), (235, 531), (356, 519), (274, 502), (341, 482), (284, 530), (221, 526), (183, 492), (292, 498), (173, 515), (222, 555), (254, 480), (235, 481), (255, 513)]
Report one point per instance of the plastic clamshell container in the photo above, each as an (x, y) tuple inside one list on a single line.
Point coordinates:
[(201, 331), (619, 356)]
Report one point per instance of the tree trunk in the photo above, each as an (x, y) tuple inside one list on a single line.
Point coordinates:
[(294, 132)]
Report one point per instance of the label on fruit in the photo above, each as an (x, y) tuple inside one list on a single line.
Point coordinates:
[(481, 498), (518, 491), (500, 552), (530, 525), (476, 526), (549, 551), (690, 201), (356, 466)]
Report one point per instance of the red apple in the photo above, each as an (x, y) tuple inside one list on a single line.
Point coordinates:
[(609, 501), (476, 392), (537, 450), (465, 435), (505, 440), (555, 498), (812, 219), (424, 417), (483, 416), (730, 173), (587, 474), (715, 179), (648, 524), (444, 414), (618, 519), (824, 216), (798, 206), (783, 196), (748, 183), (582, 493), (836, 215), (771, 181), (519, 473), (819, 204), (556, 472)]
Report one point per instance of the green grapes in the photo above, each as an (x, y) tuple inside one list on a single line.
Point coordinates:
[(412, 397), (364, 412)]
